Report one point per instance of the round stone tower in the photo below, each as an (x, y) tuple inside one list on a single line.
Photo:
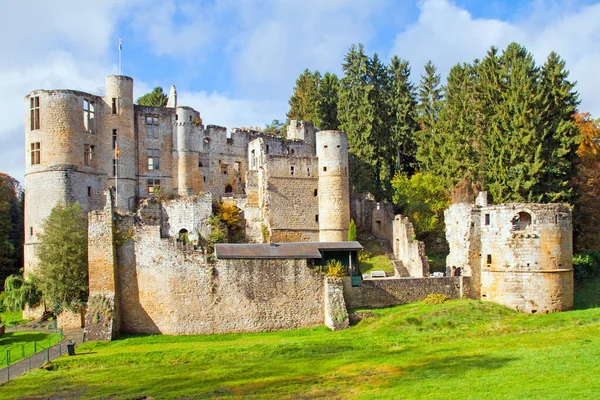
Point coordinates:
[(119, 119), (333, 188), (187, 123)]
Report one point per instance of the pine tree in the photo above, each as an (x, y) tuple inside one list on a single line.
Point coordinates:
[(430, 100), (304, 100), (356, 115), (561, 135), (403, 123), (156, 98), (515, 163), (328, 102), (62, 253)]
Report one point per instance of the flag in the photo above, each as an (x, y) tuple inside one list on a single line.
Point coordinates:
[(120, 44)]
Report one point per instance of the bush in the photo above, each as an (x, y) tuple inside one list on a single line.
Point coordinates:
[(364, 256), (435, 298), (335, 269), (586, 265)]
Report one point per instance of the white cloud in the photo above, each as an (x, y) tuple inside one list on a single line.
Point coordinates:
[(448, 34), (219, 109)]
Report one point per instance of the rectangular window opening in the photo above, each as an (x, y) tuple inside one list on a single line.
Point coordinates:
[(89, 191), (115, 166), (316, 217), (152, 125), (316, 192), (34, 116), (31, 231), (487, 219), (324, 169), (35, 153), (88, 116), (88, 154), (114, 138), (153, 159), (153, 185), (489, 259), (114, 105), (292, 170)]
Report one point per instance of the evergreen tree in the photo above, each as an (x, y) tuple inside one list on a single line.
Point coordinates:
[(428, 111), (352, 235), (304, 100), (328, 102), (156, 98), (561, 137), (403, 123), (356, 115), (515, 164), (62, 274)]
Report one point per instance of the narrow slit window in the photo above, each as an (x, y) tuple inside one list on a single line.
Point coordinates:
[(89, 191), (114, 138), (489, 259), (487, 219), (114, 105)]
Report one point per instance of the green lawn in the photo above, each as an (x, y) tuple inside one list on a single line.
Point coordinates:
[(377, 261), (459, 349), (12, 318), (21, 344)]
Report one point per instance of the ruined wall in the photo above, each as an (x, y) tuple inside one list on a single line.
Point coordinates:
[(387, 292), (407, 249), (382, 222), (361, 210), (189, 213), (336, 314), (168, 288), (103, 309)]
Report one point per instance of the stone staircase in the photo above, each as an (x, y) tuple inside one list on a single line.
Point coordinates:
[(399, 268)]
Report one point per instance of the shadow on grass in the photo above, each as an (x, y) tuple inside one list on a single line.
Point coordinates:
[(9, 339), (587, 295)]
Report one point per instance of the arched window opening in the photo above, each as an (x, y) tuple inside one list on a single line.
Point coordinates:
[(228, 189), (521, 221), (183, 236)]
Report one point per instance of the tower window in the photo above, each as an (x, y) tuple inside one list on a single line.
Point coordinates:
[(324, 169), (267, 149), (316, 193), (114, 105), (487, 219), (31, 231), (114, 138), (316, 217), (489, 259), (153, 159), (88, 154), (89, 191), (35, 153), (34, 115), (88, 116), (308, 171), (292, 170), (152, 126)]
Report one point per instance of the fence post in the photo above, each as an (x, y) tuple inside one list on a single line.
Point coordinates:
[(7, 356), (48, 354), (23, 350)]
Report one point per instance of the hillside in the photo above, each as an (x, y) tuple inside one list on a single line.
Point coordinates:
[(459, 349)]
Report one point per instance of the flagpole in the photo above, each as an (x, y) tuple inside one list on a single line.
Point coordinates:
[(120, 49)]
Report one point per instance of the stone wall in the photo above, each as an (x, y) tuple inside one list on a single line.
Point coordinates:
[(382, 221), (169, 288), (189, 213), (361, 210), (336, 314), (409, 251), (387, 292)]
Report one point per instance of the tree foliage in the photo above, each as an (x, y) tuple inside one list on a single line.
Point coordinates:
[(352, 235), (155, 98), (587, 182), (327, 102), (304, 100), (275, 128), (62, 273), (423, 198), (11, 226), (19, 292)]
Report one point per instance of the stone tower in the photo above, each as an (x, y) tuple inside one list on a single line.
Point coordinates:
[(119, 124), (184, 158), (333, 187)]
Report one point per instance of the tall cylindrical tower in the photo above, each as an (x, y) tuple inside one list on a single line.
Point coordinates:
[(333, 188), (187, 161), (119, 120), (62, 141)]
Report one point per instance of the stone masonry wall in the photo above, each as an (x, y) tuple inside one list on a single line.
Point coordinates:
[(189, 213), (168, 288), (387, 292), (408, 250)]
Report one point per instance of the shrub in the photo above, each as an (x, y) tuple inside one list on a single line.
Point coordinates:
[(586, 265), (364, 256), (335, 269), (435, 298), (352, 236)]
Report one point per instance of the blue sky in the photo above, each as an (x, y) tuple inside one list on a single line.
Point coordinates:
[(236, 61)]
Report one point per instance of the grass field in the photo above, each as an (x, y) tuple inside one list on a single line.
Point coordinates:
[(21, 345), (459, 349), (377, 261), (12, 318)]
